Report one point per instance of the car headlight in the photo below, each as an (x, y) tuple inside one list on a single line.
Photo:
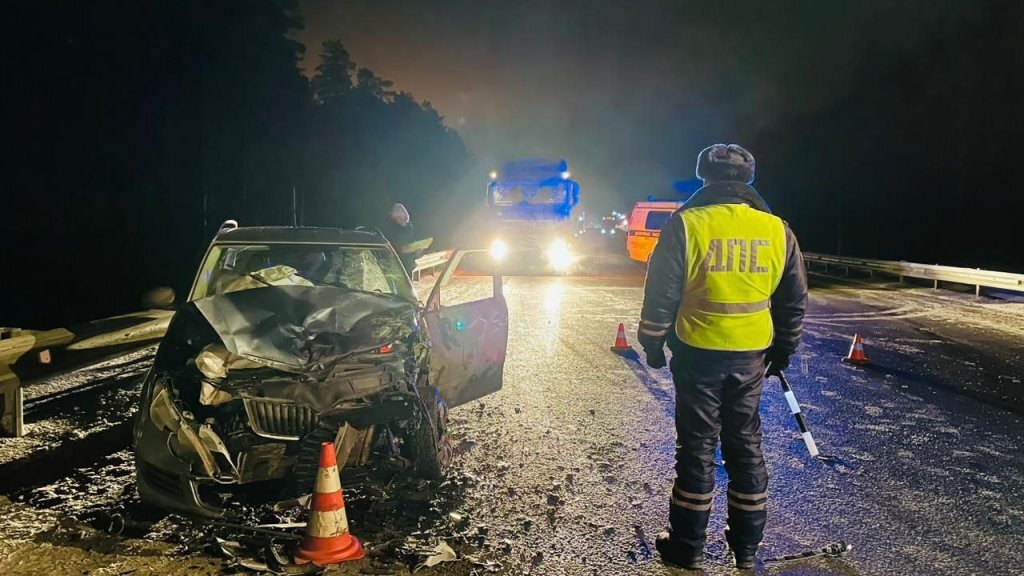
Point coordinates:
[(499, 250), (559, 255)]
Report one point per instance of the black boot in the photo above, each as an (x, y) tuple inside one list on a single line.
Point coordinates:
[(745, 561), (678, 553), (744, 555)]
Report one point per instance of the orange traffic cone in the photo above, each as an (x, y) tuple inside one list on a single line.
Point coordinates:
[(621, 344), (856, 355), (327, 538)]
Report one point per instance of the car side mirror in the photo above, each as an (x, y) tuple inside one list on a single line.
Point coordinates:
[(159, 298)]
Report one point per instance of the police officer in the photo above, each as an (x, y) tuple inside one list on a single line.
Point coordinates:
[(400, 232), (726, 290)]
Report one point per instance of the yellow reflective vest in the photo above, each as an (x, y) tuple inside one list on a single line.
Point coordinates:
[(735, 257)]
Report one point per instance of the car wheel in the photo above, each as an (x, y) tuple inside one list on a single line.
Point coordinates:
[(426, 442)]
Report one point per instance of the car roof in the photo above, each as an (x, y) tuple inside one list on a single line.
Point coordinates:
[(301, 235), (658, 205)]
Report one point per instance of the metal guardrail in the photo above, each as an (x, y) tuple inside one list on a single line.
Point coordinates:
[(934, 272), (430, 262), (31, 355)]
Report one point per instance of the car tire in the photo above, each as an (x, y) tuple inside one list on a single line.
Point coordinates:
[(426, 443)]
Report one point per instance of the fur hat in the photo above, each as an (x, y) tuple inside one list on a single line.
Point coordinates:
[(725, 162), (399, 215)]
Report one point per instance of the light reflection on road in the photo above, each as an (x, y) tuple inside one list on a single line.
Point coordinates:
[(554, 293)]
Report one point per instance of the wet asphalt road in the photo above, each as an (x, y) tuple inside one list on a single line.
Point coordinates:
[(567, 470)]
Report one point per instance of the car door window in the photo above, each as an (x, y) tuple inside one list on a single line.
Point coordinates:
[(468, 332)]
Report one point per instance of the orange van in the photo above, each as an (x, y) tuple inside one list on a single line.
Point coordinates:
[(645, 223)]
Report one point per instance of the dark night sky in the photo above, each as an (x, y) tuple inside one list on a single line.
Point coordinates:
[(627, 91), (886, 129)]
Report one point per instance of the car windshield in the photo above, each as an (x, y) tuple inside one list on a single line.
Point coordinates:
[(234, 267), (514, 193)]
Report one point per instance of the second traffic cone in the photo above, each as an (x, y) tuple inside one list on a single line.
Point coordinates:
[(327, 538), (856, 355), (621, 344)]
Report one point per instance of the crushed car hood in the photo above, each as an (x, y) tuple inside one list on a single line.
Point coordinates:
[(301, 328)]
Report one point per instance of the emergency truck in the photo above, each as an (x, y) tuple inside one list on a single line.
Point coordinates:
[(530, 204)]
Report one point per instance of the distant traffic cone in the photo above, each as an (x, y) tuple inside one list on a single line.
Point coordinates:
[(856, 355), (327, 538), (621, 344)]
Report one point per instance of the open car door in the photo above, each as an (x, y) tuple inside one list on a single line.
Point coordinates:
[(468, 340)]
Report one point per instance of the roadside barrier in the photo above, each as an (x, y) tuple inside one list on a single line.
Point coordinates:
[(934, 272), (31, 355), (430, 262)]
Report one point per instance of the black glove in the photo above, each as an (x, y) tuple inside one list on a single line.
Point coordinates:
[(654, 349), (777, 360), (656, 357)]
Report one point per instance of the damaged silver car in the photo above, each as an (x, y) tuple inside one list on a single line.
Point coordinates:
[(295, 336)]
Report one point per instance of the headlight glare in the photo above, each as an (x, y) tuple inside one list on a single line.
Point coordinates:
[(499, 250), (559, 255)]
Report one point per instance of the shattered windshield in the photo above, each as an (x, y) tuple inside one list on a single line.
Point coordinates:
[(234, 267)]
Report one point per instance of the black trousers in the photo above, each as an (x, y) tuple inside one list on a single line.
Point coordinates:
[(717, 396)]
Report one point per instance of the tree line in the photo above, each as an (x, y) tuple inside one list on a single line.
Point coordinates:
[(140, 127)]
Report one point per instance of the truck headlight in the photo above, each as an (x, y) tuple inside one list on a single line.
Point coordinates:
[(559, 255), (499, 250)]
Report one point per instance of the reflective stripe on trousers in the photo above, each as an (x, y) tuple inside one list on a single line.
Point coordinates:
[(716, 400), (748, 502), (691, 501)]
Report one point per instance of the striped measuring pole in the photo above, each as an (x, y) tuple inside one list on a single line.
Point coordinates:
[(794, 408)]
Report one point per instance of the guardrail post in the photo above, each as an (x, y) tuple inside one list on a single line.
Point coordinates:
[(977, 290), (936, 285), (12, 402)]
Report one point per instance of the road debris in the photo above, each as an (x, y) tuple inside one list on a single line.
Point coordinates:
[(835, 550), (262, 556), (442, 553), (300, 502)]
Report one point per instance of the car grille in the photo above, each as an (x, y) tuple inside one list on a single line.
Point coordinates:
[(279, 419)]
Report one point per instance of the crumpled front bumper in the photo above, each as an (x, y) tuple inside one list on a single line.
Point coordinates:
[(162, 479), (179, 460), (167, 490), (172, 452)]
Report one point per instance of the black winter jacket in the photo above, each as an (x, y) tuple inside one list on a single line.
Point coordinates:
[(666, 275)]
